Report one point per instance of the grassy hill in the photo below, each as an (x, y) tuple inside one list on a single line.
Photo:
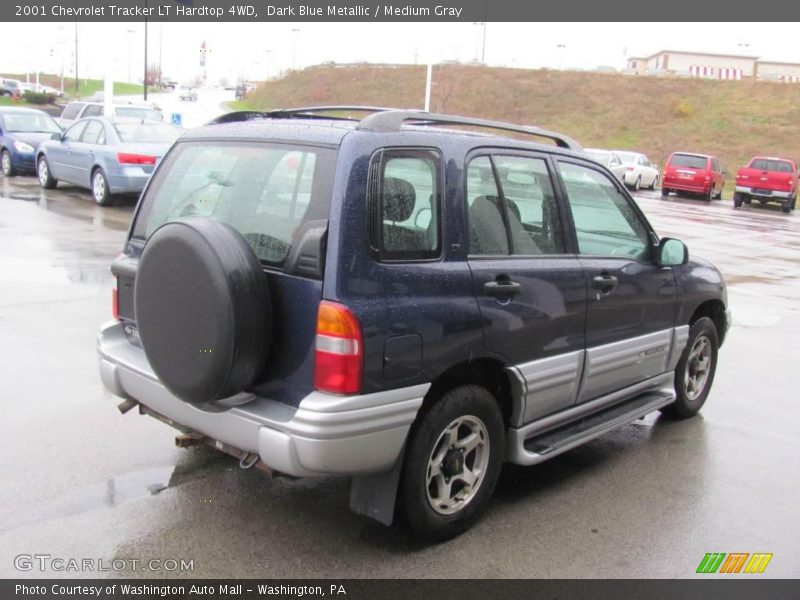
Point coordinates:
[(732, 119)]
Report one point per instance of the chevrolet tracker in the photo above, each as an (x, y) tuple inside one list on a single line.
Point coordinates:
[(408, 299)]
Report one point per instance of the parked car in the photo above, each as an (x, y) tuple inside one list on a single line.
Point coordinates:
[(354, 297), (169, 84), (21, 132), (79, 109), (241, 91), (639, 171), (767, 179), (10, 87), (699, 174), (107, 156), (609, 159), (187, 93)]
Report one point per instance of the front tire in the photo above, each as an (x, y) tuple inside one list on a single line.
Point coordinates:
[(46, 179), (100, 192), (694, 374), (7, 165), (453, 458)]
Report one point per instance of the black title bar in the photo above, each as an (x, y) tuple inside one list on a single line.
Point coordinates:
[(401, 11)]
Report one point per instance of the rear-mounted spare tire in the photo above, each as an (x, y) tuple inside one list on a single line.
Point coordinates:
[(203, 310)]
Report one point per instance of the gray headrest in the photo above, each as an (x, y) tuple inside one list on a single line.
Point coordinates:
[(399, 199)]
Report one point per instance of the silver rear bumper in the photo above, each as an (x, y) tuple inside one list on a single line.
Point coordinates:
[(325, 434)]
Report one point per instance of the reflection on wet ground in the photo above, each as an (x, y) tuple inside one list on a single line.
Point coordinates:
[(645, 501)]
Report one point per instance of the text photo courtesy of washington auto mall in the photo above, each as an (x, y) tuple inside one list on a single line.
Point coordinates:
[(340, 299)]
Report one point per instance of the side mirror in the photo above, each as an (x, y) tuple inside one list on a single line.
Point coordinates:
[(672, 253), (56, 137)]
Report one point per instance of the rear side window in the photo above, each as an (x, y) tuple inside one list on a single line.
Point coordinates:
[(405, 200), (526, 220), (72, 110), (764, 164), (264, 192), (688, 160), (93, 110), (93, 133)]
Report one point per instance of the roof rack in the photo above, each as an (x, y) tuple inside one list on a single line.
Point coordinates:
[(384, 120), (393, 121), (307, 112)]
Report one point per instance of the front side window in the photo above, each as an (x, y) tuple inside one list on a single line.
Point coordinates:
[(512, 207), (405, 205), (606, 223), (264, 192)]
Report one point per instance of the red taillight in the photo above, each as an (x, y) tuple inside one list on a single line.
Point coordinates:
[(125, 158), (629, 168), (338, 354), (115, 300)]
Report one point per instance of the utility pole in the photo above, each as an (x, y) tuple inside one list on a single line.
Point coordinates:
[(294, 46), (160, 40), (145, 52)]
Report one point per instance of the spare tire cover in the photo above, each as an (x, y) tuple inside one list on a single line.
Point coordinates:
[(203, 309)]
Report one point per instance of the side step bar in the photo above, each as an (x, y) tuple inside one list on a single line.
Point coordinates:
[(542, 446)]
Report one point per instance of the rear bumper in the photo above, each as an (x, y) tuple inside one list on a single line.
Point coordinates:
[(682, 186), (775, 194), (325, 434), (130, 180)]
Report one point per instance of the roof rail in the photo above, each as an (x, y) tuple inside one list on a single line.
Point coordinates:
[(306, 112), (393, 120)]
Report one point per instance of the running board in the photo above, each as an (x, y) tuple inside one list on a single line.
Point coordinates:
[(542, 446)]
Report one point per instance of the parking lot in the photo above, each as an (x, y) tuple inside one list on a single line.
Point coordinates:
[(649, 500)]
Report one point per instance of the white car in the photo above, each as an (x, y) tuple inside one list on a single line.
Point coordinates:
[(187, 93), (608, 158), (639, 171)]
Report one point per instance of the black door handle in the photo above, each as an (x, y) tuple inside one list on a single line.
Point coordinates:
[(501, 288), (604, 283)]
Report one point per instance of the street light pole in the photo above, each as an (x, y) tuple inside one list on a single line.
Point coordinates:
[(130, 54), (77, 87), (145, 52), (294, 46)]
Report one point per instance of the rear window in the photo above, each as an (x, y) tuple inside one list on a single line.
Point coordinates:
[(265, 192), (688, 160), (72, 110), (146, 132), (139, 113), (764, 164)]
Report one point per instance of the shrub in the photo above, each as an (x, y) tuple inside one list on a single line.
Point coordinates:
[(682, 109), (38, 97)]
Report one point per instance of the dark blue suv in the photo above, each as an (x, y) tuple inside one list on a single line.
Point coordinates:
[(407, 298)]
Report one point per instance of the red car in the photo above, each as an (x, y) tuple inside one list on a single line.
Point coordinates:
[(767, 179), (693, 173)]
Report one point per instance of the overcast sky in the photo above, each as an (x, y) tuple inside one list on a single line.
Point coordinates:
[(256, 50)]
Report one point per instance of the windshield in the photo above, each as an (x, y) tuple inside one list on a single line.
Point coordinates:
[(30, 123), (689, 160), (264, 192), (139, 113), (146, 132)]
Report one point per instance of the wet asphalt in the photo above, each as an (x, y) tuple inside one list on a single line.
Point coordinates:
[(79, 480)]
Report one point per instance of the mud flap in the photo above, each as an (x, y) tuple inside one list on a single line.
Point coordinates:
[(375, 495)]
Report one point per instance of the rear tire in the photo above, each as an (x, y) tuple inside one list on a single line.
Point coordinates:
[(655, 183), (46, 180), (738, 198), (452, 463), (787, 207), (709, 196), (664, 192), (694, 374), (100, 192)]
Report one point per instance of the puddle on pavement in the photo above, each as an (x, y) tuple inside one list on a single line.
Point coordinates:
[(28, 197), (108, 494)]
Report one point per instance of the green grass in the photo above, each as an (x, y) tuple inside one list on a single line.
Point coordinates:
[(731, 119), (86, 87)]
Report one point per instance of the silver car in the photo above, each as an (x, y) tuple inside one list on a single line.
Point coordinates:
[(107, 156)]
